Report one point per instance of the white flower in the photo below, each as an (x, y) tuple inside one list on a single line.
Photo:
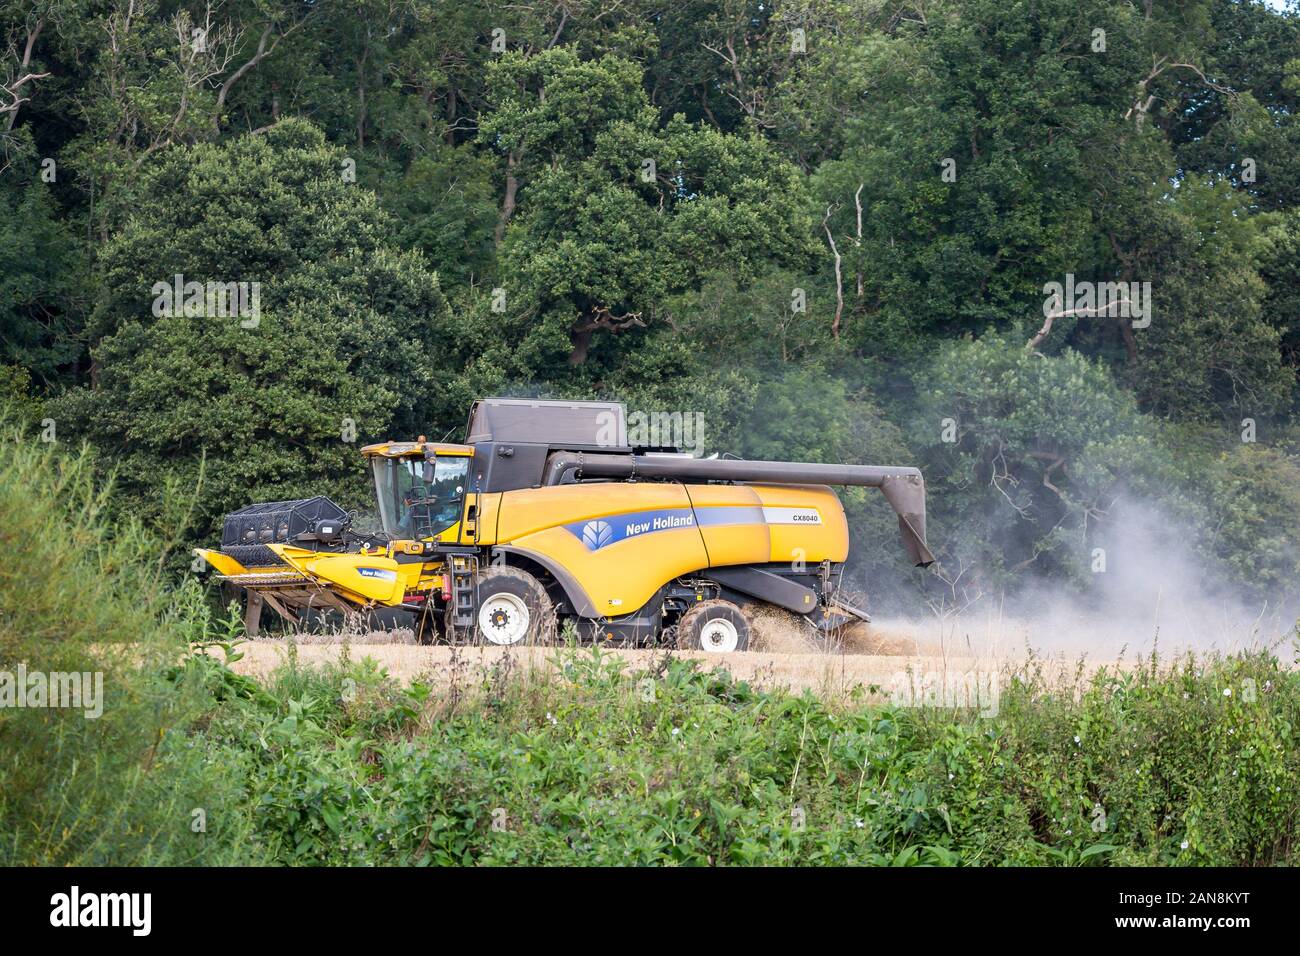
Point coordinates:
[(1183, 844), (676, 731), (1077, 740), (1227, 692)]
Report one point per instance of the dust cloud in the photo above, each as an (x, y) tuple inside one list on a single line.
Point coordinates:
[(1154, 591)]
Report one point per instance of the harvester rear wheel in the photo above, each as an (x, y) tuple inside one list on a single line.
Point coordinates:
[(513, 607), (717, 627)]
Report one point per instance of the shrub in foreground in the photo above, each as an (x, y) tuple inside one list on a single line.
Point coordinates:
[(1186, 763)]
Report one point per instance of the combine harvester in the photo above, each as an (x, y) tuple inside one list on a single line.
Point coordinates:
[(547, 515)]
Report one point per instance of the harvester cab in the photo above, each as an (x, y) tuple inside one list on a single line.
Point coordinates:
[(547, 515), (420, 488)]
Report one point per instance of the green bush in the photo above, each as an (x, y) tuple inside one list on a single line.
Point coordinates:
[(80, 593), (1149, 765)]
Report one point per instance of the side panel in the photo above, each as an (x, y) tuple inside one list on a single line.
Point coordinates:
[(806, 523), (766, 586), (621, 541), (482, 530), (731, 521)]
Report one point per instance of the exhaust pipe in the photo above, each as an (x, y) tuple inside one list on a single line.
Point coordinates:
[(904, 488)]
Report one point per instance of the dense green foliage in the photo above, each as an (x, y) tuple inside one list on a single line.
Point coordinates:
[(83, 594), (268, 404), (825, 225), (1184, 762), (584, 768)]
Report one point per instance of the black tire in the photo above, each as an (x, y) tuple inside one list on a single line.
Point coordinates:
[(502, 593), (716, 626)]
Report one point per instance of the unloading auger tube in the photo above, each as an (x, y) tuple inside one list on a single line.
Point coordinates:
[(904, 488)]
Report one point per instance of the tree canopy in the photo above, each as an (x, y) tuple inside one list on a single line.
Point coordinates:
[(829, 227)]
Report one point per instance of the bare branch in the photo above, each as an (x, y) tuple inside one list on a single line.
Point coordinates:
[(839, 278), (263, 51), (204, 52), (1052, 316), (1145, 99), (24, 77), (564, 18), (857, 202), (603, 318)]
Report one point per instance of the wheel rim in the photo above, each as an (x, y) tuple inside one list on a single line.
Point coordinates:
[(503, 619), (718, 636)]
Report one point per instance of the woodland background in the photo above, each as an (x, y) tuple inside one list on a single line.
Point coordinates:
[(641, 188)]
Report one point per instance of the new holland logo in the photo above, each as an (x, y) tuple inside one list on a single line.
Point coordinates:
[(382, 574), (597, 534), (601, 532)]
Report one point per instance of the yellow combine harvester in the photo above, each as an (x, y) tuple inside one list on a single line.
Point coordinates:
[(546, 514)]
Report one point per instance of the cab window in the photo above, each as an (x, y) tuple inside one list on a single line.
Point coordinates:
[(412, 508)]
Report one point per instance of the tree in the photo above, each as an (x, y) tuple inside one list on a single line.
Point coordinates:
[(42, 279), (341, 344), (444, 205), (1020, 451), (1211, 350), (962, 182), (1247, 126), (619, 213)]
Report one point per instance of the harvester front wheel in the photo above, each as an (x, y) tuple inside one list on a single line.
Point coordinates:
[(512, 606), (717, 627)]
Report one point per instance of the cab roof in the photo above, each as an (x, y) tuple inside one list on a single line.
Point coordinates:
[(414, 449)]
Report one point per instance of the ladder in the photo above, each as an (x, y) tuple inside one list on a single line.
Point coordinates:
[(464, 579), (462, 565)]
